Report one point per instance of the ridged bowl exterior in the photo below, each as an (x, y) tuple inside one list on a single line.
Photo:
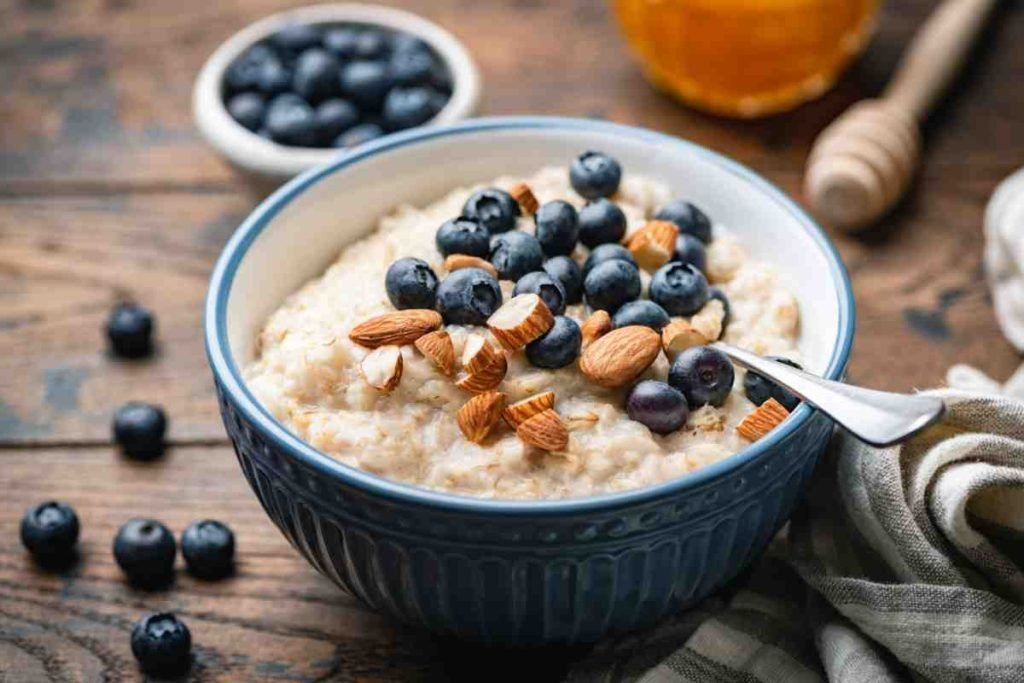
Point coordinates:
[(535, 579)]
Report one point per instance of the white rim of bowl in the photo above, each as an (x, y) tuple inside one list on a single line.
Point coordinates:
[(253, 153)]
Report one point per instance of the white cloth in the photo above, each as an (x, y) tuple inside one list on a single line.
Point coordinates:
[(1004, 256)]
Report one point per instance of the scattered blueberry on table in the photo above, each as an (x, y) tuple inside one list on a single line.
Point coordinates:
[(162, 644), (337, 85), (130, 331), (139, 430), (208, 547), (658, 406), (703, 374), (759, 388), (145, 550), (49, 531)]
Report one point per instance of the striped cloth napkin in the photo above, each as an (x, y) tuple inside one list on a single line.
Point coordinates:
[(916, 575)]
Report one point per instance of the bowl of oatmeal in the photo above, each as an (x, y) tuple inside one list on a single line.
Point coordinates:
[(470, 373)]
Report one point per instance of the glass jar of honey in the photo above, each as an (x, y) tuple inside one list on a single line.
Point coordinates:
[(745, 58)]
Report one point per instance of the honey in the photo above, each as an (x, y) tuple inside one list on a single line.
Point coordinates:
[(745, 58)]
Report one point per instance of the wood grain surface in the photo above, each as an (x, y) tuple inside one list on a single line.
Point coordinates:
[(107, 193)]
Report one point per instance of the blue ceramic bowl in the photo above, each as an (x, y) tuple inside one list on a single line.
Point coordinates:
[(517, 572)]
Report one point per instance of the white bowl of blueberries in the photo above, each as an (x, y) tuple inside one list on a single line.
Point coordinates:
[(291, 91)]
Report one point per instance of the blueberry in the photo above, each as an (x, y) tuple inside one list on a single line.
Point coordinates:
[(366, 83), (130, 331), (273, 78), (341, 41), (291, 121), (296, 38), (611, 284), (316, 75), (494, 208), (144, 549), (557, 347), (607, 252), (244, 72), (565, 270), (703, 374), (594, 174), (557, 228), (411, 284), (679, 288), (412, 67), (549, 290), (49, 531), (515, 253), (689, 249), (209, 549), (334, 117), (759, 388), (407, 42), (658, 406), (718, 294), (139, 430), (601, 222), (409, 107), (247, 109), (357, 135), (641, 312), (468, 297), (162, 644), (463, 235), (371, 44), (690, 219)]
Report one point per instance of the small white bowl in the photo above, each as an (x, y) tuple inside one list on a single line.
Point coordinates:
[(276, 163)]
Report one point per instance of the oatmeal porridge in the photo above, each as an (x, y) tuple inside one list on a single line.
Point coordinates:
[(549, 398)]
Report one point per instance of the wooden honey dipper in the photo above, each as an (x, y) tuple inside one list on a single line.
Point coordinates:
[(862, 162)]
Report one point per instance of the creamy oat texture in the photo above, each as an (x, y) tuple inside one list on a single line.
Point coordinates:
[(307, 372)]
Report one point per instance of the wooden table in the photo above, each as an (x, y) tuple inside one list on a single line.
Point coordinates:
[(107, 192)]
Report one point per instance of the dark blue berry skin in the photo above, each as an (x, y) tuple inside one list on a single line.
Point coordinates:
[(247, 109), (130, 331), (412, 67), (411, 283), (208, 547), (515, 253), (594, 174), (49, 531), (296, 38), (607, 252), (371, 44), (468, 297), (641, 312), (244, 73), (139, 430), (611, 284), (689, 249), (463, 235), (703, 374), (316, 75), (145, 549), (334, 117), (602, 222), (408, 107), (357, 135), (162, 644), (558, 228), (717, 293), (679, 288), (494, 208), (567, 272), (558, 347), (341, 42), (690, 219), (658, 406), (366, 83), (408, 42), (759, 388), (291, 121), (273, 78), (549, 290)]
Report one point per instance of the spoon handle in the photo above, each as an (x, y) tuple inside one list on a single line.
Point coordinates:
[(879, 418)]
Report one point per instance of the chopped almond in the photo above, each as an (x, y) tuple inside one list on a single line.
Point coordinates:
[(459, 261), (653, 245), (485, 365), (545, 430), (522, 193), (479, 415), (680, 335), (521, 411), (764, 419), (596, 325), (382, 368), (520, 320), (708, 320), (437, 347), (397, 328)]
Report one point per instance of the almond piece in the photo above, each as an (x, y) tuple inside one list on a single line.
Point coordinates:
[(437, 347), (620, 356), (708, 320), (597, 325), (653, 245), (479, 414), (764, 419), (680, 335), (475, 384), (545, 430), (521, 411), (382, 368), (523, 195), (485, 365), (520, 320), (579, 421), (399, 327), (459, 261)]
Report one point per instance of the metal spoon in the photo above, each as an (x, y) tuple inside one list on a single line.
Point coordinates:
[(879, 418)]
